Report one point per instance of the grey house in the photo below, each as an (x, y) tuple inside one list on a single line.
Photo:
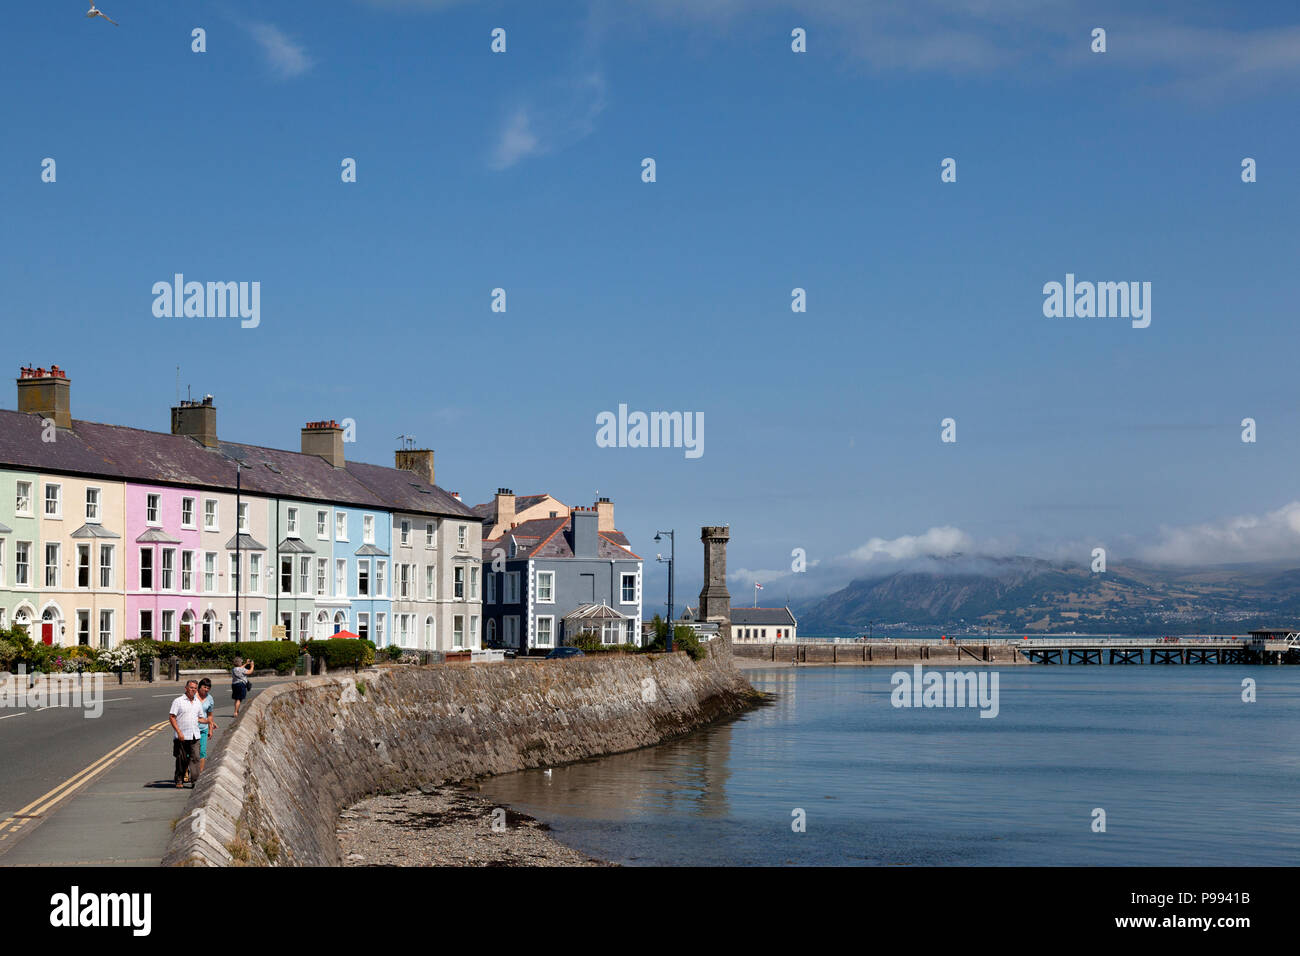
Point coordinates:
[(552, 578)]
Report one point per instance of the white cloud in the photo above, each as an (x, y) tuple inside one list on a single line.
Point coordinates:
[(515, 141), (980, 36), (569, 116), (1272, 536), (282, 54), (935, 543)]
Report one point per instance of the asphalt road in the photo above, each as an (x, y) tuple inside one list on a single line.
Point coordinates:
[(78, 789)]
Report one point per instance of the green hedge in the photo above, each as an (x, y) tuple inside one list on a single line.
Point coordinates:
[(343, 652), (280, 656)]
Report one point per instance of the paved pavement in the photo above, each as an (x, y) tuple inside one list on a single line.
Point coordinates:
[(96, 791)]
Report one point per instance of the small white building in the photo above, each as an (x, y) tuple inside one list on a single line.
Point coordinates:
[(763, 625)]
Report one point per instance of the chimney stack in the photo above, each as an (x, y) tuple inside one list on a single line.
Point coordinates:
[(605, 509), (583, 522), (197, 419), (418, 461), (46, 393), (325, 440), (505, 502)]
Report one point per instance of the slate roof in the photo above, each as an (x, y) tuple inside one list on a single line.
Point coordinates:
[(134, 454), (88, 530), (552, 538), (779, 616), (404, 491), (246, 542)]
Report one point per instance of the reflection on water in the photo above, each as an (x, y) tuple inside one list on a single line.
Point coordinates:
[(1187, 774)]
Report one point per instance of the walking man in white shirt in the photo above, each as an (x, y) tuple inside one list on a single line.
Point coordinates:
[(185, 715)]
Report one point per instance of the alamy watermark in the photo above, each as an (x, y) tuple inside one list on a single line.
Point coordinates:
[(1102, 300), (213, 300), (921, 688), (651, 430), (40, 691)]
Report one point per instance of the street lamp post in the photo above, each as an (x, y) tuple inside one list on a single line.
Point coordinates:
[(239, 557), (672, 564)]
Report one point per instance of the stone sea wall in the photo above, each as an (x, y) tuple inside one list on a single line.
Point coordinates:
[(303, 751)]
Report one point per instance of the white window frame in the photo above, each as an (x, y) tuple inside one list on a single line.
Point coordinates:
[(550, 587), (187, 573), (22, 510), (458, 582), (94, 508), (153, 506), (189, 524), (210, 572), (106, 637), (322, 525), (111, 566), (340, 526), (404, 529), (430, 534), (211, 515), (622, 587), (291, 521), (367, 529), (381, 578), (23, 549), (254, 625), (364, 564), (462, 537), (84, 549), (510, 588), (550, 620), (165, 573), (458, 630), (153, 571), (57, 501)]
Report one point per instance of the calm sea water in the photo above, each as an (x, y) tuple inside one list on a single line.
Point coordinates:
[(1187, 773)]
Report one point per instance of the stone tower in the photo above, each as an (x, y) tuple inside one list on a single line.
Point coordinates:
[(715, 601)]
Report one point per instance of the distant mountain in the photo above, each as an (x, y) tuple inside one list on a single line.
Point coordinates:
[(1029, 595)]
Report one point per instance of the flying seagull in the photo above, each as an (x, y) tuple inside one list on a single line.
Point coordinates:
[(95, 13)]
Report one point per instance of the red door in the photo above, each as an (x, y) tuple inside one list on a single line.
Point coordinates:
[(47, 632)]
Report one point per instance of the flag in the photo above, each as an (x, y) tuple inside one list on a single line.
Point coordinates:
[(759, 586)]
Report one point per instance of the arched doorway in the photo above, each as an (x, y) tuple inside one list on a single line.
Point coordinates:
[(209, 626), (187, 625), (430, 634), (322, 625), (340, 621), (51, 624), (23, 616)]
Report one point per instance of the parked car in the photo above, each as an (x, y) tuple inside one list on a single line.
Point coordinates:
[(562, 652)]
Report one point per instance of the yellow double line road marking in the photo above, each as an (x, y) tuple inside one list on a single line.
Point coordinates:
[(44, 803)]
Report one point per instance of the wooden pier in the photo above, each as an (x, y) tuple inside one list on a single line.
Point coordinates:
[(1273, 646)]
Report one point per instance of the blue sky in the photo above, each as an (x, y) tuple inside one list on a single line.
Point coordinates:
[(775, 170)]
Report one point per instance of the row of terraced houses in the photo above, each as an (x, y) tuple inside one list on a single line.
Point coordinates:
[(109, 533)]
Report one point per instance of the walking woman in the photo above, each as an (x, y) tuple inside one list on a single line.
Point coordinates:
[(206, 723), (239, 681)]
